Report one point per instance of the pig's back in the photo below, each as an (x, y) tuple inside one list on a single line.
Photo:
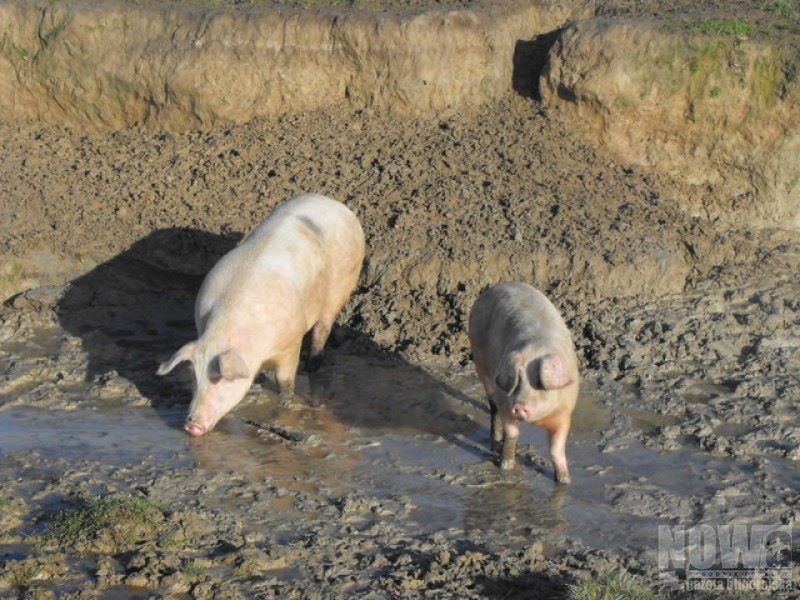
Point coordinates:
[(514, 315), (297, 246), (313, 233)]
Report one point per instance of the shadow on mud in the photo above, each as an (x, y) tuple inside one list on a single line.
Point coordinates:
[(367, 388), (134, 310), (534, 584)]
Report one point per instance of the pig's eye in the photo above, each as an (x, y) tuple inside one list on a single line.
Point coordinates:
[(214, 375), (532, 371)]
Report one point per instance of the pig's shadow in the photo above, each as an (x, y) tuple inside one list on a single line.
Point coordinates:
[(135, 310), (368, 388)]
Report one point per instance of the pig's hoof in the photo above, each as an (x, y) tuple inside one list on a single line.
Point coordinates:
[(563, 478), (507, 464), (286, 394)]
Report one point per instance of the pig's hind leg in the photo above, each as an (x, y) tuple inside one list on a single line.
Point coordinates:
[(319, 335)]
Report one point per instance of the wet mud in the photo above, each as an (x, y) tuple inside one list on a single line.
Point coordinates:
[(378, 474), (376, 480)]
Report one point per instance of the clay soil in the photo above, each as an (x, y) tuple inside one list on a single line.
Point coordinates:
[(377, 481)]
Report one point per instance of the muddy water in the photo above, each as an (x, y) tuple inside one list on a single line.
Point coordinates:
[(396, 431), (377, 458)]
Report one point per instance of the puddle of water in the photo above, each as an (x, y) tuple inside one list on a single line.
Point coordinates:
[(14, 551), (390, 429), (703, 391), (733, 429), (40, 341), (649, 422), (113, 436)]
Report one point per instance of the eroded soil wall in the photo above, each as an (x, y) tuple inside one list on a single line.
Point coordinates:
[(111, 65), (705, 108)]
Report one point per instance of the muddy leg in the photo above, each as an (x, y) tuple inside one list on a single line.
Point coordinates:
[(319, 335), (496, 420), (286, 371), (510, 434), (558, 449), (497, 427)]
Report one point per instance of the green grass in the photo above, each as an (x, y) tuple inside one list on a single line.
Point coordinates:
[(193, 570), (715, 91), (784, 9), (4, 502), (722, 27), (612, 586), (115, 522), (21, 573)]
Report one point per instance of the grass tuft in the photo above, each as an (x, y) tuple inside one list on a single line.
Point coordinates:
[(109, 523), (784, 9), (193, 570), (722, 27), (612, 586)]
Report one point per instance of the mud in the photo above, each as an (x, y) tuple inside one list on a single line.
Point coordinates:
[(376, 479)]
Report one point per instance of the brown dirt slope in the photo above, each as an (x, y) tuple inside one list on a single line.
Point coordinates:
[(178, 66), (449, 206), (708, 100)]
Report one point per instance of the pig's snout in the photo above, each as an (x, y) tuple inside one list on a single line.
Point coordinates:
[(194, 428), (522, 412)]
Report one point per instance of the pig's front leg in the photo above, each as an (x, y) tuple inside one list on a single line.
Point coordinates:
[(558, 447), (508, 458), (286, 371)]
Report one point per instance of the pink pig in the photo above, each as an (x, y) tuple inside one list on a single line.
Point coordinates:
[(525, 358), (292, 274)]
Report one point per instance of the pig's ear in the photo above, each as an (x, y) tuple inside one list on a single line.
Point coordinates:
[(228, 365), (185, 353), (553, 372), (507, 376)]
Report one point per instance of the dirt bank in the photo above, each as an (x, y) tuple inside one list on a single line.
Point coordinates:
[(708, 100), (178, 66)]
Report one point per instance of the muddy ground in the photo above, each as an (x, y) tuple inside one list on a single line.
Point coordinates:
[(376, 480)]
